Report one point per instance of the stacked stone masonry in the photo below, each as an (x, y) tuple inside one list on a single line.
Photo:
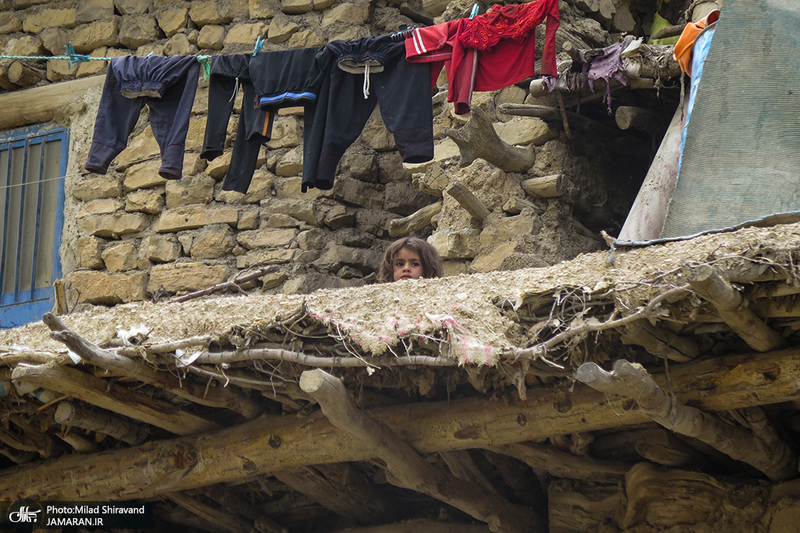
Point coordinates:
[(132, 235)]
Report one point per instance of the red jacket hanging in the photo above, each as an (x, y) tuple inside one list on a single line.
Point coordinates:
[(506, 39)]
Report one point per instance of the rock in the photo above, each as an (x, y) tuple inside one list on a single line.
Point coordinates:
[(456, 244), (376, 135), (27, 45), (356, 237), (523, 131), (359, 163), (101, 206), (506, 229), (358, 193), (211, 37), (213, 243), (339, 217), (160, 248), (91, 10), (88, 68), (346, 13), (281, 28), (261, 187), (87, 37), (248, 220), (623, 20), (195, 216), (266, 238), (272, 280), (262, 256), (259, 9), (50, 18), (442, 151), (493, 258), (179, 44), (143, 176), (136, 30), (114, 225), (185, 277), (143, 147), (296, 7), (87, 252), (98, 187), (145, 201), (373, 221), (172, 20), (286, 133), (218, 167), (403, 198), (291, 164), (193, 190), (120, 256), (293, 188), (9, 22), (245, 34), (108, 289), (208, 12), (300, 209), (335, 256), (280, 220), (306, 39), (133, 7), (311, 282), (312, 239), (55, 39)]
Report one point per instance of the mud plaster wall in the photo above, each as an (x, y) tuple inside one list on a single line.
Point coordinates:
[(132, 235)]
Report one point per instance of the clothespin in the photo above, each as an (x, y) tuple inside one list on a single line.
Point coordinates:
[(474, 11), (205, 64), (73, 58), (259, 44)]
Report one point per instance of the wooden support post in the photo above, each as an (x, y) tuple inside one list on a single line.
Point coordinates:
[(415, 221), (478, 139), (468, 200), (141, 370), (732, 308), (774, 459), (405, 466), (551, 186), (74, 414)]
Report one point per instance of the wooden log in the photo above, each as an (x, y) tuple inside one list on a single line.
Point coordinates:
[(564, 465), (211, 514), (774, 459), (5, 84), (551, 186), (654, 444), (74, 414), (79, 443), (340, 489), (468, 200), (244, 509), (24, 75), (30, 439), (415, 221), (553, 115), (732, 308), (37, 105), (461, 465), (660, 341), (638, 118), (16, 456), (404, 465), (478, 139), (141, 370), (420, 525), (97, 391), (273, 443)]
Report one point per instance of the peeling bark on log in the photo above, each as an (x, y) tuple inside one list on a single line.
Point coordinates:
[(273, 443), (73, 414), (478, 139), (774, 459), (733, 310), (24, 75), (551, 186), (405, 466), (99, 392), (139, 369), (468, 201), (349, 495), (562, 464), (415, 221), (660, 342)]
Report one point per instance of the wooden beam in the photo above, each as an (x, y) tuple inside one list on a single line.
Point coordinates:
[(468, 200), (420, 526), (102, 393), (272, 443), (415, 221), (732, 308), (213, 515), (478, 139), (405, 466), (38, 105), (564, 465), (75, 414), (143, 371), (660, 341), (340, 489), (551, 186), (772, 457)]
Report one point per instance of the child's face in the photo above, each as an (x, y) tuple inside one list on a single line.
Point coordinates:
[(407, 265)]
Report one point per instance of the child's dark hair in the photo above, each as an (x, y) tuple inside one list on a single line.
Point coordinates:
[(430, 258)]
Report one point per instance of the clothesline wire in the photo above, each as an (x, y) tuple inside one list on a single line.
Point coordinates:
[(3, 187)]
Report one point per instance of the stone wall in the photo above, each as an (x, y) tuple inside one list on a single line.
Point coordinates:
[(131, 235)]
